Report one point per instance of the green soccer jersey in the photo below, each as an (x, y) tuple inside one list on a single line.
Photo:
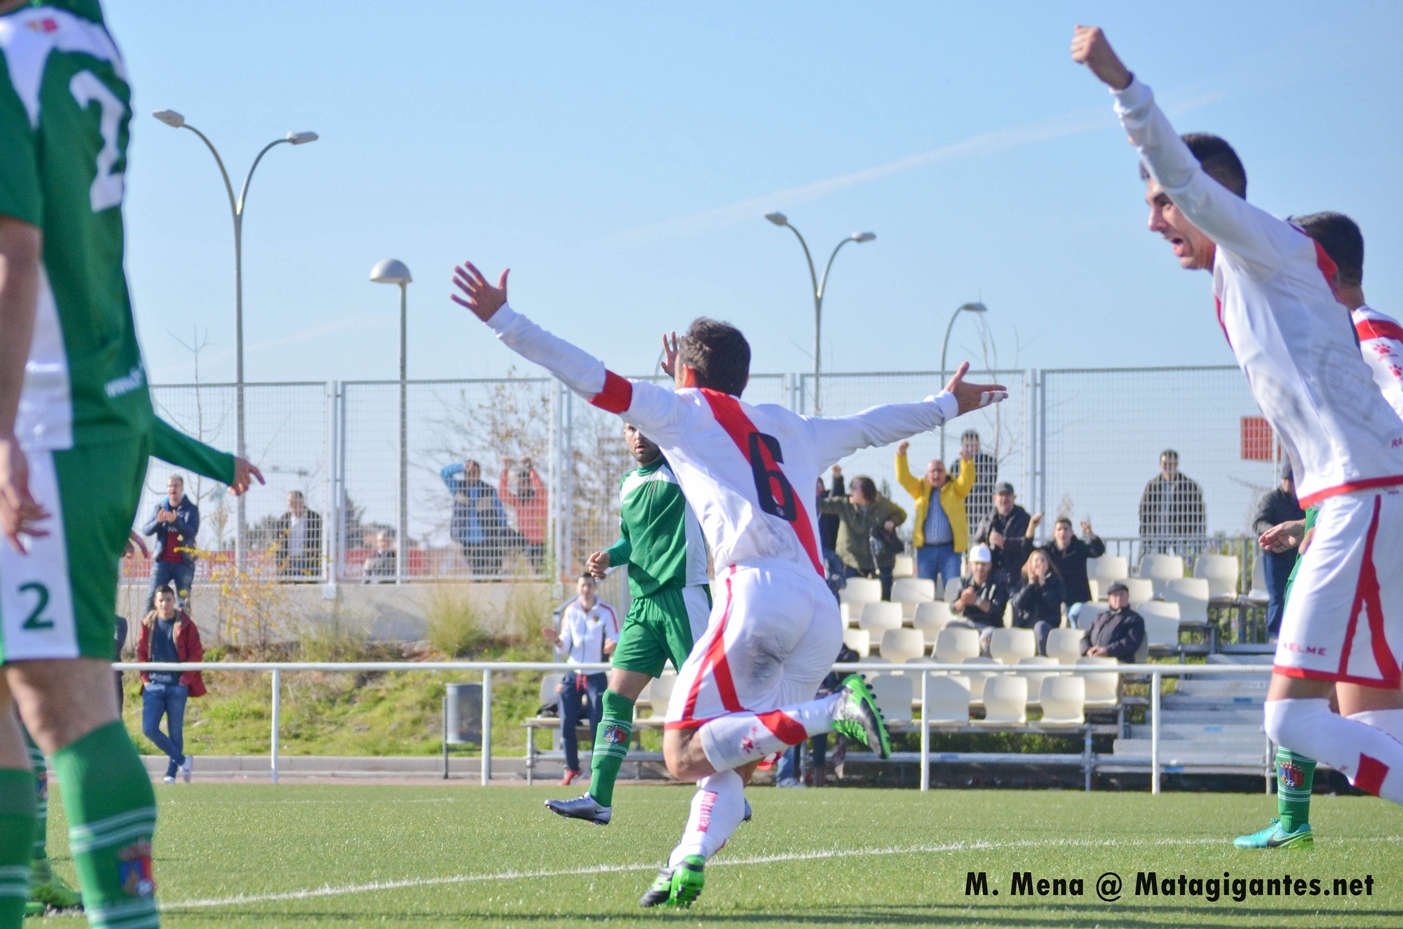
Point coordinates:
[(65, 106), (661, 538)]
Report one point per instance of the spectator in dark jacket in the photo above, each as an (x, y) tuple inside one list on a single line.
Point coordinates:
[(1279, 506), (1171, 509), (479, 524), (828, 522), (862, 513), (1008, 531), (982, 598), (174, 522), (1069, 555), (299, 535), (1117, 633), (168, 635), (980, 502), (1038, 603)]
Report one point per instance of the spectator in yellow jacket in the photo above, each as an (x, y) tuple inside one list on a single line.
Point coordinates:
[(941, 532)]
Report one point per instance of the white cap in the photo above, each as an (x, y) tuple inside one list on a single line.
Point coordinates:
[(981, 553)]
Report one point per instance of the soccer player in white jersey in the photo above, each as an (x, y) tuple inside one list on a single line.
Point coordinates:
[(747, 689), (1343, 625)]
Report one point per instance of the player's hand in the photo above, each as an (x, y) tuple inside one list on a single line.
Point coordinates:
[(1283, 536), (670, 353), (483, 299), (1090, 47), (1034, 521), (550, 635), (136, 543), (966, 454), (244, 473), (836, 470), (1086, 528), (19, 512), (974, 396), (598, 565), (902, 447)]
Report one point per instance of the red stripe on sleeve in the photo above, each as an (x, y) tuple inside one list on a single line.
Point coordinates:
[(1378, 329), (616, 395)]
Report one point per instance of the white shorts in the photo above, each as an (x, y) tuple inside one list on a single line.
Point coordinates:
[(1344, 618), (773, 636)]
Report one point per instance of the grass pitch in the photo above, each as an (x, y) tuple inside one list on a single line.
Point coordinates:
[(360, 855)]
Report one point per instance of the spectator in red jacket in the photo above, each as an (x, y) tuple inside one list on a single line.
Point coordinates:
[(168, 635), (531, 503)]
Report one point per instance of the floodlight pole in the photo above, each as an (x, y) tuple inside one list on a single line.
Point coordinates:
[(975, 307)]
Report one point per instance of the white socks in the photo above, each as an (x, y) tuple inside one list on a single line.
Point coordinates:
[(738, 738), (1390, 721), (718, 807), (1370, 757)]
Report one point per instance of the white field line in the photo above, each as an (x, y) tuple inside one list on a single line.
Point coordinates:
[(372, 887)]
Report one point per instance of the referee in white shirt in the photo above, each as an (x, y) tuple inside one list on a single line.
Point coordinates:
[(589, 631)]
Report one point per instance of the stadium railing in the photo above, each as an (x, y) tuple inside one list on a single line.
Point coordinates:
[(1155, 672)]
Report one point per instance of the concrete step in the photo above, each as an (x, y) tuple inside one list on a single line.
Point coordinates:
[(1240, 659), (1220, 688), (1189, 753), (1208, 732), (1194, 701), (1223, 717)]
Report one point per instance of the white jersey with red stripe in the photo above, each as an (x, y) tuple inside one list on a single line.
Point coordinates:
[(1275, 306), (1381, 341), (748, 471)]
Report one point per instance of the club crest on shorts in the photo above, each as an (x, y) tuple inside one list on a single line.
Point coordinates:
[(1290, 774), (135, 871), (615, 735)]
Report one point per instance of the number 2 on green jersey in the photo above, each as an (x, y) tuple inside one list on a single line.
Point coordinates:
[(107, 188)]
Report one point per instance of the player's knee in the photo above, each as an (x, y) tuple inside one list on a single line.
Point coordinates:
[(1290, 722)]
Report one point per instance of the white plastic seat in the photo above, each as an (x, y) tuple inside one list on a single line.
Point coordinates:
[(1159, 568), (955, 643), (1010, 644), (902, 645), (1140, 589), (1161, 623), (548, 685), (947, 700), (861, 590), (879, 617), (1005, 702), (1101, 689), (1035, 681), (1258, 588), (1064, 645), (903, 566), (1220, 571), (932, 617), (1063, 701), (952, 589), (912, 590), (859, 640), (893, 693), (975, 679), (661, 689), (1164, 609), (1090, 611), (845, 611), (1192, 595), (1108, 567)]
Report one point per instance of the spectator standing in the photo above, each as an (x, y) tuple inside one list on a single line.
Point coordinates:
[(119, 642), (828, 524), (168, 635), (1171, 508), (982, 598), (479, 522), (1008, 531), (1117, 633), (980, 502), (532, 506), (174, 522), (299, 551), (1038, 603), (941, 533), (862, 514), (1279, 506), (380, 566), (589, 632), (1069, 555)]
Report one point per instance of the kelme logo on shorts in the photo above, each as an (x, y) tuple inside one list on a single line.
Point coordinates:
[(135, 871)]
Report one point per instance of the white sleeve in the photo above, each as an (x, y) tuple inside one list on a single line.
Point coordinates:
[(1231, 222), (840, 436), (567, 627)]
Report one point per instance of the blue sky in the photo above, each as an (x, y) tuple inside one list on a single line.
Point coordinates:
[(619, 158)]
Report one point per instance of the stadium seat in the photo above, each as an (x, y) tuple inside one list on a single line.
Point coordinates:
[(548, 685), (1090, 611), (902, 645), (1164, 609), (1009, 645), (904, 566), (861, 590), (1063, 701), (661, 691), (947, 701), (1159, 568), (1065, 645), (893, 693), (1108, 568), (1101, 689), (1141, 590), (845, 611), (1005, 702), (1161, 624), (975, 679), (954, 644), (910, 591), (952, 589), (932, 617), (1191, 593), (1221, 572), (859, 640), (1257, 589), (879, 617), (1035, 680)]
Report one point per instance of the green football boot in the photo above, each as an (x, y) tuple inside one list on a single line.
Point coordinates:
[(677, 886), (857, 716), (1275, 837)]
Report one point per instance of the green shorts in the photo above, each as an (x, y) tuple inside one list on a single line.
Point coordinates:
[(56, 601), (661, 627)]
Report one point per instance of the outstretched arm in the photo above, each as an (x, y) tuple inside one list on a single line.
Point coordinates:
[(170, 444)]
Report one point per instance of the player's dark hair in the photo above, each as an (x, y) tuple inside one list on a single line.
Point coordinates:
[(1169, 453), (969, 434), (586, 576), (1218, 160), (1063, 519), (719, 355), (864, 485), (1342, 241)]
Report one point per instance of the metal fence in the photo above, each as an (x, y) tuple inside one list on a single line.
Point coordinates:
[(1080, 443)]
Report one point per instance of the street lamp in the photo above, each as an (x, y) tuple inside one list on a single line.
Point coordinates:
[(393, 271), (819, 283), (975, 307), (236, 207)]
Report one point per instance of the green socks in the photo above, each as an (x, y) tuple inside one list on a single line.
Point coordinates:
[(16, 843), (1295, 776), (41, 796), (610, 747), (112, 815)]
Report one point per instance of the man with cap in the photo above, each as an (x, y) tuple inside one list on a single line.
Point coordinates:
[(1279, 506), (1117, 633), (1008, 532), (982, 597)]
